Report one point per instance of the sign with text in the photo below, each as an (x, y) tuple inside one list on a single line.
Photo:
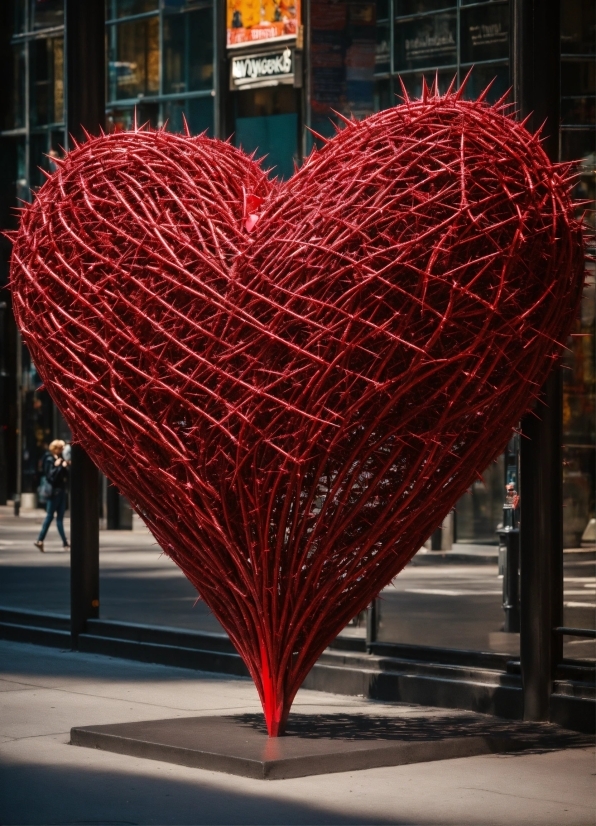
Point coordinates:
[(268, 69), (257, 21)]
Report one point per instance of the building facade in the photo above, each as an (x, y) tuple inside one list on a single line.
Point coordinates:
[(264, 73)]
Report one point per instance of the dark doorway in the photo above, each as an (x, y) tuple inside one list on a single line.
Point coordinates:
[(267, 120)]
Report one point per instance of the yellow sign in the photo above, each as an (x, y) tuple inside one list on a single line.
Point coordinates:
[(256, 21)]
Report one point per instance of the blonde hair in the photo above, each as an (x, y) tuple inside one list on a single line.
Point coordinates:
[(56, 444)]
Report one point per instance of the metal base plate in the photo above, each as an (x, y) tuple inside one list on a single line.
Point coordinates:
[(320, 744)]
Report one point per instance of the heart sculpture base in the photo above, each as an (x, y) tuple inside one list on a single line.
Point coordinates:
[(293, 383), (321, 744)]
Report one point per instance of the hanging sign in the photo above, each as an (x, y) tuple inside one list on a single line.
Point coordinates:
[(250, 71), (256, 21)]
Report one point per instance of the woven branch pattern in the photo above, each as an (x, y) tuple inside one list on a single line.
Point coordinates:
[(294, 383)]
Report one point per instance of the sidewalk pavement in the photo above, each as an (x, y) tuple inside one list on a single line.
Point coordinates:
[(44, 780)]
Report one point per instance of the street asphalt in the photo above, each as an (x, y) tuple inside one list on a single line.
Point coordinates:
[(452, 604)]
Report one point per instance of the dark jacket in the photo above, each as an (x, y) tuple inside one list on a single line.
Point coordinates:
[(57, 475)]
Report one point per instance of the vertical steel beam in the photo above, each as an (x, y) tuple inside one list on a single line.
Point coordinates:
[(85, 110), (535, 61)]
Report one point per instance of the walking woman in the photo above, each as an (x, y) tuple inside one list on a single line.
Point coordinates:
[(55, 469)]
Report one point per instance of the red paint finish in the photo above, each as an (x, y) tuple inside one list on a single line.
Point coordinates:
[(293, 383)]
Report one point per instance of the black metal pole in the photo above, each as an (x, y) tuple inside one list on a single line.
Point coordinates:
[(372, 623), (84, 547), (221, 80), (85, 110), (535, 61)]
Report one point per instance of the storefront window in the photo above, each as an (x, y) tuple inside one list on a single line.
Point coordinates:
[(426, 41), (127, 8), (188, 50), (484, 33), (47, 81), (15, 115), (19, 16), (197, 111), (413, 82), (38, 413), (482, 76), (47, 13), (345, 48), (134, 59), (122, 119)]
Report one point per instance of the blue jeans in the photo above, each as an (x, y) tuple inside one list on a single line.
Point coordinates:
[(56, 504)]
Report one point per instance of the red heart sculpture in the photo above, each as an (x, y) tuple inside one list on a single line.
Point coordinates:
[(293, 410)]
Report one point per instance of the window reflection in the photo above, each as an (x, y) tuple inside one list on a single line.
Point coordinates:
[(383, 49), (47, 13), (480, 510), (413, 82), (188, 50), (578, 77), (122, 119), (47, 81), (134, 59), (15, 115), (480, 78), (383, 97), (428, 41), (577, 27), (197, 111), (19, 16), (125, 8), (484, 33)]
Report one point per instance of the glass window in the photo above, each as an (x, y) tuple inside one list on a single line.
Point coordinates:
[(483, 75), (457, 605), (188, 51), (413, 82), (46, 81), (578, 77), (577, 143), (58, 80), (134, 59), (22, 184), (407, 7), (383, 98), (38, 149), (382, 9), (383, 50), (481, 509), (15, 114), (122, 119), (484, 32), (342, 62), (47, 13), (197, 111), (427, 41), (19, 16), (578, 111), (125, 8), (578, 27)]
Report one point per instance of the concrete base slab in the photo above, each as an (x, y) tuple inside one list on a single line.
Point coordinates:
[(320, 744)]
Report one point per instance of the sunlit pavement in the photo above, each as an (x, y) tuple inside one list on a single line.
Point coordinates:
[(44, 780)]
